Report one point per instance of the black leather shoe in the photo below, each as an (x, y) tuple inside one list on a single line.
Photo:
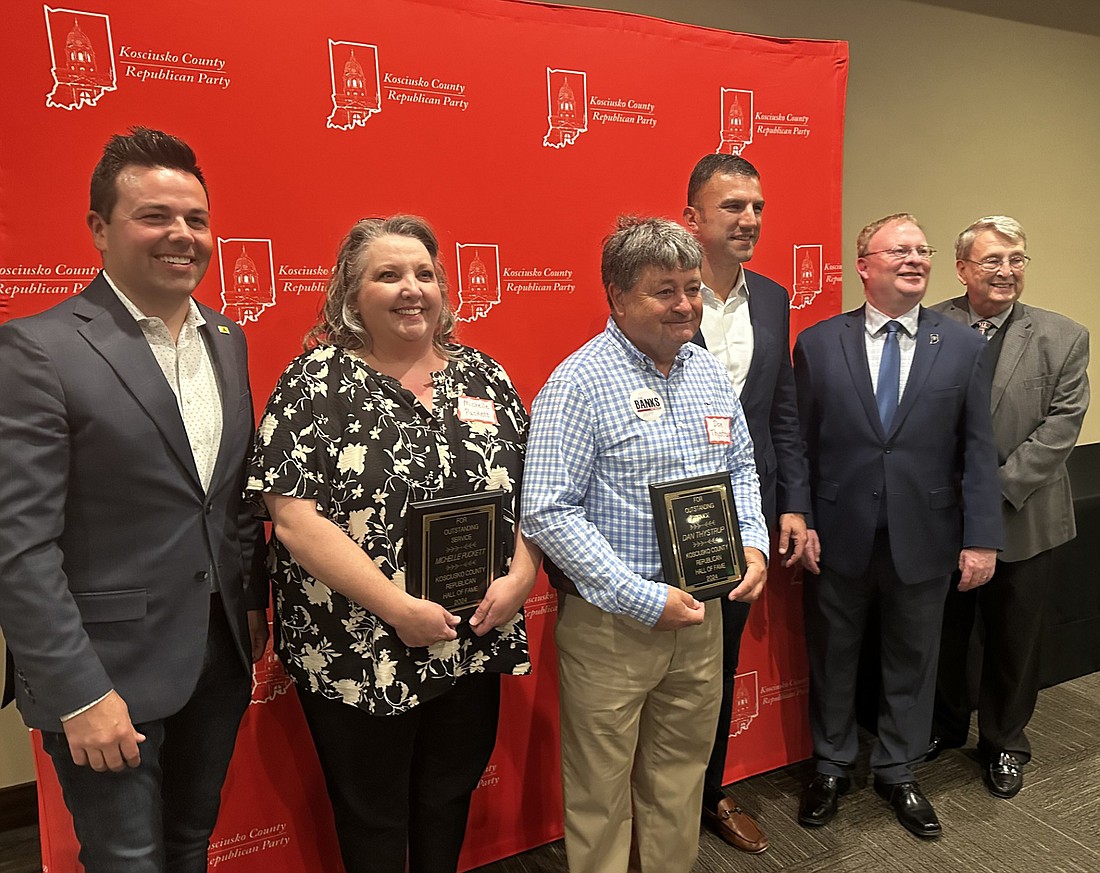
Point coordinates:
[(1004, 775), (912, 808), (939, 744), (818, 804)]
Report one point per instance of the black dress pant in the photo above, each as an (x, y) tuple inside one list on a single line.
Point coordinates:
[(838, 609), (734, 616), (1012, 605), (400, 785)]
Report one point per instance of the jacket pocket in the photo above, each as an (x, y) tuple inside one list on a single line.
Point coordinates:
[(1040, 381), (942, 498), (827, 490), (96, 606)]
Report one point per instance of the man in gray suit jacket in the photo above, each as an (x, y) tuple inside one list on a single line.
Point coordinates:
[(894, 408), (131, 581), (1040, 391)]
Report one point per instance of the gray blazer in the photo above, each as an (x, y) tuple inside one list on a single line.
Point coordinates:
[(109, 546), (1039, 398)]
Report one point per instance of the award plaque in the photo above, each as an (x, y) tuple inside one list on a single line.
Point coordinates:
[(698, 535), (454, 548)]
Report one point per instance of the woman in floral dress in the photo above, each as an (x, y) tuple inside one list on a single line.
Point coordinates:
[(381, 411)]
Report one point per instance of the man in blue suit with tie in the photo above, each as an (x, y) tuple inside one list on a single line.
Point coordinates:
[(894, 407), (746, 325)]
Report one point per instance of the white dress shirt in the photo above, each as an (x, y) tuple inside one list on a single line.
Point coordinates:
[(728, 331), (875, 337), (189, 370)]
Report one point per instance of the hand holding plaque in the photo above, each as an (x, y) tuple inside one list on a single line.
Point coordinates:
[(698, 535), (455, 549)]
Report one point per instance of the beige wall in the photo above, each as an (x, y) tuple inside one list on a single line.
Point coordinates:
[(950, 116), (16, 765)]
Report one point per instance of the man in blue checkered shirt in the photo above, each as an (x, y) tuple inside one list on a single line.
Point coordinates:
[(639, 661)]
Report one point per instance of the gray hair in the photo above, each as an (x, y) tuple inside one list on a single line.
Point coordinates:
[(338, 322), (1002, 224), (864, 237), (638, 243)]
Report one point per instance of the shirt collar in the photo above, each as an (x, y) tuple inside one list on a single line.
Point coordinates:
[(740, 289), (194, 317), (997, 321), (637, 355), (875, 321)]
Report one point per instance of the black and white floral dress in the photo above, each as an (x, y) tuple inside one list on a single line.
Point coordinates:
[(339, 432)]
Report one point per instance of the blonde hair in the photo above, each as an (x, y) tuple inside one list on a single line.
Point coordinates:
[(338, 323)]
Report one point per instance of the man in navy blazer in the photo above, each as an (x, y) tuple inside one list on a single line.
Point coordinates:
[(894, 406), (1038, 361), (131, 582), (746, 325)]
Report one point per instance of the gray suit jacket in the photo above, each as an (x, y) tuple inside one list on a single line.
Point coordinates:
[(107, 539), (1039, 398)]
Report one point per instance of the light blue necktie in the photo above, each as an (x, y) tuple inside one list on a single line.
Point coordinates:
[(889, 375)]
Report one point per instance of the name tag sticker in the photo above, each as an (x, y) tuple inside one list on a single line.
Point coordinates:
[(718, 430), (476, 409), (647, 404)]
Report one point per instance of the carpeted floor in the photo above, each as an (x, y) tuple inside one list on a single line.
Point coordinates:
[(1052, 826)]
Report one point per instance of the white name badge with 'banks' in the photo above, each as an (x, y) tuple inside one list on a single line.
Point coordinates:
[(647, 404), (476, 409), (718, 430)]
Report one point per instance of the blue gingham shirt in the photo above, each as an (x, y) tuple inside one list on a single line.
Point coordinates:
[(591, 459)]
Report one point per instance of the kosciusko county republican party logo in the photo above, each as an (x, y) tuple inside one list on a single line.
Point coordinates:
[(356, 94), (807, 275), (736, 122), (567, 107), (478, 280), (746, 702), (269, 679), (248, 278), (82, 57)]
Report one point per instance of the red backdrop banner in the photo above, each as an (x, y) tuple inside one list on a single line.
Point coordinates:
[(520, 131)]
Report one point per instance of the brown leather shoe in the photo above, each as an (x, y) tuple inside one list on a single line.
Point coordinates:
[(736, 827)]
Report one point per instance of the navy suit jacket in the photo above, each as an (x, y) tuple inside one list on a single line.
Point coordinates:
[(937, 465), (770, 402), (107, 539)]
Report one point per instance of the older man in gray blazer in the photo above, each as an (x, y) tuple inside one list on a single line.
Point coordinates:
[(1038, 360)]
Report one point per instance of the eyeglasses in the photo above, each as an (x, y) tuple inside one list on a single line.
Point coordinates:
[(1016, 263), (900, 253)]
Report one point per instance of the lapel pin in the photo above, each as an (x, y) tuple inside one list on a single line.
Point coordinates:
[(223, 329), (933, 338)]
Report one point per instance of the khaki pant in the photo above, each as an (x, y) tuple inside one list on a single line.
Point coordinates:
[(638, 713)]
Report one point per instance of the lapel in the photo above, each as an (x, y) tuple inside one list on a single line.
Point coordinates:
[(114, 334), (217, 344), (927, 349), (854, 349), (1017, 336), (1016, 339), (762, 341)]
